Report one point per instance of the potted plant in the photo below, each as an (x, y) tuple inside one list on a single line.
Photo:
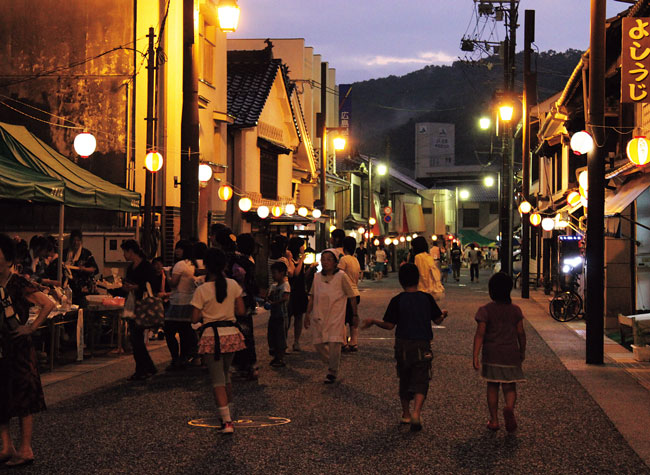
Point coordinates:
[(640, 347)]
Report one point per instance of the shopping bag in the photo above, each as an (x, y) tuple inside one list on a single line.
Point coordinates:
[(149, 311), (129, 306)]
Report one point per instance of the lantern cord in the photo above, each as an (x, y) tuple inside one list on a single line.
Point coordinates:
[(39, 110), (41, 120)]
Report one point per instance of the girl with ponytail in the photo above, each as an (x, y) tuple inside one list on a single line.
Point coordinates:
[(216, 303)]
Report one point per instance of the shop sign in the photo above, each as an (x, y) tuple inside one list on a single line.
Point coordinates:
[(635, 60)]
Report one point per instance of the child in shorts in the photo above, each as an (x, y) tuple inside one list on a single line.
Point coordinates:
[(411, 312)]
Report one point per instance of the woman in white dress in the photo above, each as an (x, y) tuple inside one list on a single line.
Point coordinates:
[(328, 297)]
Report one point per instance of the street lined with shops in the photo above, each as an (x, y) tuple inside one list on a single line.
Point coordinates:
[(570, 420)]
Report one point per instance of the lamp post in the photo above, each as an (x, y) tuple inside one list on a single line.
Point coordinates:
[(381, 170), (506, 190)]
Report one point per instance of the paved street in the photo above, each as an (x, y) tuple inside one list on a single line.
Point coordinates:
[(351, 427)]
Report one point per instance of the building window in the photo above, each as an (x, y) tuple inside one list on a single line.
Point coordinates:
[(356, 199), (471, 218), (207, 42), (427, 210), (433, 162), (268, 175)]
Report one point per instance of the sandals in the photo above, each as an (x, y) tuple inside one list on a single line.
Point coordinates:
[(405, 420), (509, 417), (493, 428), (416, 425), (18, 462)]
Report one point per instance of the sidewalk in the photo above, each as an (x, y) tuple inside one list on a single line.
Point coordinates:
[(621, 386)]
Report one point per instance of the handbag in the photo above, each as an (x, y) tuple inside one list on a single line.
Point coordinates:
[(149, 311)]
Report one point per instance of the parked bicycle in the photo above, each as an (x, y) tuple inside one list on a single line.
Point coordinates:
[(566, 305)]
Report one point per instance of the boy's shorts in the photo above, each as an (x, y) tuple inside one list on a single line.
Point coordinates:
[(413, 366), (349, 313)]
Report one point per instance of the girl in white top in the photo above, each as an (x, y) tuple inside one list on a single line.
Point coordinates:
[(216, 303), (179, 314)]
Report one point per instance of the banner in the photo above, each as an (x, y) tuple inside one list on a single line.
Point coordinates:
[(345, 108), (635, 60)]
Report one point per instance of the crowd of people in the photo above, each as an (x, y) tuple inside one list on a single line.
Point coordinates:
[(212, 296)]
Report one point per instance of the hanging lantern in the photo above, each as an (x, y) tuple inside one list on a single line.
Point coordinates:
[(302, 211), (525, 207), (361, 230), (372, 235), (409, 238), (376, 242), (395, 242), (402, 239), (153, 161), (205, 172), (228, 14), (535, 219), (366, 235), (84, 144), (548, 224), (573, 198), (434, 237), (263, 212), (316, 213), (582, 143), (372, 221), (388, 241), (637, 151), (332, 228), (225, 192), (414, 236), (290, 209), (583, 180), (276, 211), (450, 237), (245, 204)]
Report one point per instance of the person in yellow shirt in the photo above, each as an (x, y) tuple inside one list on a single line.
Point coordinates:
[(430, 279)]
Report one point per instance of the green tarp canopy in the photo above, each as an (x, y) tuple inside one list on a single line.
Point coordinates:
[(82, 189), (21, 183), (468, 236)]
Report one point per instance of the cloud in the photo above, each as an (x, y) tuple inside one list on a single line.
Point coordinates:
[(427, 57)]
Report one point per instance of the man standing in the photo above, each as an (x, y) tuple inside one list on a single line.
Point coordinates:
[(456, 256), (361, 254), (380, 259), (474, 256)]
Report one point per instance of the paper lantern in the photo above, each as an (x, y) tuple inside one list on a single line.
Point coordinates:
[(372, 221), (395, 242), (582, 143), (434, 237), (276, 211), (361, 230), (414, 236), (387, 241), (263, 212), (225, 192), (548, 224), (637, 150), (332, 228), (366, 235), (153, 161), (402, 239), (290, 209), (316, 213), (409, 238), (525, 207), (245, 204), (376, 242), (535, 219), (84, 144), (573, 198), (205, 172), (302, 211), (372, 235)]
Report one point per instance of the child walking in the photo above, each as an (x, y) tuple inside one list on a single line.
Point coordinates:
[(411, 312), (278, 300), (500, 333)]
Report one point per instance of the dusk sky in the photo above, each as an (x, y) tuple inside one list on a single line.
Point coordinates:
[(367, 39)]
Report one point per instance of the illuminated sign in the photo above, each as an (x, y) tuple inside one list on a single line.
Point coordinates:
[(635, 60)]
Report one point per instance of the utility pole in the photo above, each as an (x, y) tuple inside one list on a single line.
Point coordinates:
[(322, 129), (595, 253), (148, 185), (189, 128), (529, 38)]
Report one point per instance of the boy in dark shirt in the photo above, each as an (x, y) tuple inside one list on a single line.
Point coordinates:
[(412, 312)]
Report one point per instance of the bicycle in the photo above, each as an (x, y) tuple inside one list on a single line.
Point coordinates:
[(566, 305)]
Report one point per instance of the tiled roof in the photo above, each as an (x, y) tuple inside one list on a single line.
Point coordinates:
[(250, 77)]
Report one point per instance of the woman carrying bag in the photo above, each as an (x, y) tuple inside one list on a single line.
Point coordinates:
[(139, 273)]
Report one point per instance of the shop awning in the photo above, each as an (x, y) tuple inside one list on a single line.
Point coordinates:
[(414, 218), (24, 184), (83, 189), (469, 236), (626, 194)]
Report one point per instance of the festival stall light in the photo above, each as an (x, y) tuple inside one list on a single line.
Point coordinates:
[(263, 212), (245, 204), (276, 211)]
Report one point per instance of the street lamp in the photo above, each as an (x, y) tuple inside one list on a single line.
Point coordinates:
[(228, 13), (339, 143), (382, 169), (488, 181), (506, 111), (484, 123)]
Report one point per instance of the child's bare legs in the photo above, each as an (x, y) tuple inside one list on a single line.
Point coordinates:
[(509, 394), (418, 401), (8, 448), (493, 402), (406, 409)]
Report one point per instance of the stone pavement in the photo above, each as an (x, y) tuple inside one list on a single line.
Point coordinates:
[(573, 418)]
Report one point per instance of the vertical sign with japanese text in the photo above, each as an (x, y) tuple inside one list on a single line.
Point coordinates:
[(345, 108), (635, 60)]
